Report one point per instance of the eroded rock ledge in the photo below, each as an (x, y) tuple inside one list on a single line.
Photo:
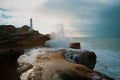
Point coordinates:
[(23, 40), (60, 64)]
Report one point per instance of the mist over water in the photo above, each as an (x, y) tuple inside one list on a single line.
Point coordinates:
[(58, 38)]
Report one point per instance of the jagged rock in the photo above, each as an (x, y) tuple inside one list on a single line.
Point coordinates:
[(23, 67), (9, 64), (75, 45), (84, 57), (51, 64)]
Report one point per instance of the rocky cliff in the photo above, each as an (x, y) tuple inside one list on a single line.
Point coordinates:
[(23, 40), (13, 41)]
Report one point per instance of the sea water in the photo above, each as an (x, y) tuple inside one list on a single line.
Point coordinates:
[(108, 54)]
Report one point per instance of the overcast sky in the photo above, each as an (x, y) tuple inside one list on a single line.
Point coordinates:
[(81, 18)]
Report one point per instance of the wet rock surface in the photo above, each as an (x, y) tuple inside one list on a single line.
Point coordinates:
[(84, 57), (52, 64)]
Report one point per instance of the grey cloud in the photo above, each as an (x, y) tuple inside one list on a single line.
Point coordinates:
[(5, 16), (3, 9), (77, 8), (109, 22), (105, 17)]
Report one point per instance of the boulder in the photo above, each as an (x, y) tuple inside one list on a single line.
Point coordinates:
[(84, 57), (75, 45)]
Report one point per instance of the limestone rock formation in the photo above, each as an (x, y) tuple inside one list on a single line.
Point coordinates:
[(51, 64), (23, 40)]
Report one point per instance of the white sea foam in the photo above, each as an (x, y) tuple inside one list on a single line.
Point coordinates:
[(29, 56), (108, 62), (108, 54)]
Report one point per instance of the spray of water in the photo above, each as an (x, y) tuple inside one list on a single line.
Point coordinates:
[(58, 39)]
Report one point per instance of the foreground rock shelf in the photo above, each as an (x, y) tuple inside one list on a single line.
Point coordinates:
[(59, 64)]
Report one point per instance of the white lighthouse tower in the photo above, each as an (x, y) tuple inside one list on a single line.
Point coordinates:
[(31, 25)]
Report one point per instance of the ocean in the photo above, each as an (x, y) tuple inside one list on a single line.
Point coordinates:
[(107, 51)]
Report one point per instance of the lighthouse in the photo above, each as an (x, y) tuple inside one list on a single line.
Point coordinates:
[(31, 25)]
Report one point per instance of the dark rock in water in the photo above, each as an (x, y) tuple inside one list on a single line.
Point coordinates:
[(75, 45), (51, 64), (84, 57), (9, 64)]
